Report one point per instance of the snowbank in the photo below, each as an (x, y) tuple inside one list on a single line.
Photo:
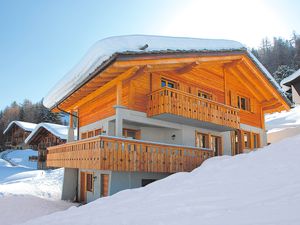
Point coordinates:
[(19, 209), (261, 188)]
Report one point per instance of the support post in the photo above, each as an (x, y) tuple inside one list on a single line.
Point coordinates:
[(118, 108), (71, 129)]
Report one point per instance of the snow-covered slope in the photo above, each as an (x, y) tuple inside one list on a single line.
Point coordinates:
[(261, 188), (282, 125), (21, 158), (27, 193)]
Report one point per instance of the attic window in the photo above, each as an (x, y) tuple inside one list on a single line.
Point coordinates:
[(243, 103)]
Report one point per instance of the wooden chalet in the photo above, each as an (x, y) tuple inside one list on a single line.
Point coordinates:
[(46, 135), (15, 134), (149, 106)]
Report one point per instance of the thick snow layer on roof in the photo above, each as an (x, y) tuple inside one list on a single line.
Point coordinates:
[(290, 78), (106, 48), (60, 131), (24, 125)]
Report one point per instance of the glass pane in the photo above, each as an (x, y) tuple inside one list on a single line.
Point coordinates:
[(163, 83), (171, 85)]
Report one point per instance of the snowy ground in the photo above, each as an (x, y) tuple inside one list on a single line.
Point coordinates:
[(27, 193), (282, 125), (261, 188)]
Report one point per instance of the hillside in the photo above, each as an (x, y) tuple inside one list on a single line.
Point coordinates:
[(260, 188)]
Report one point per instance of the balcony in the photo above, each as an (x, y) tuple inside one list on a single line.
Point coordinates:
[(121, 154), (178, 106)]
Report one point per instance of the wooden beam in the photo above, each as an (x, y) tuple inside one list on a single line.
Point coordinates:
[(187, 68), (245, 82), (154, 61), (128, 73), (119, 93), (251, 66)]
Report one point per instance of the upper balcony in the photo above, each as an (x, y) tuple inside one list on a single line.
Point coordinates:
[(175, 105), (121, 154)]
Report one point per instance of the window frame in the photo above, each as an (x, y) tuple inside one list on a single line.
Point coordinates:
[(167, 82), (201, 94), (204, 137), (89, 185), (247, 103)]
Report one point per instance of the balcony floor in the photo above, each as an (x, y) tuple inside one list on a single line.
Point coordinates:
[(192, 122)]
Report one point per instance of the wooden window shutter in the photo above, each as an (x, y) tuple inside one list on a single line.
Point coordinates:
[(233, 98), (252, 106)]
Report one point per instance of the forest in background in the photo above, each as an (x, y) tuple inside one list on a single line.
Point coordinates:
[(280, 56), (28, 112)]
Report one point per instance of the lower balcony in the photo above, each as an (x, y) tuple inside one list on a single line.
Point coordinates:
[(177, 106), (121, 154)]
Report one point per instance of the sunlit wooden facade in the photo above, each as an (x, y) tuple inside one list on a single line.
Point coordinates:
[(181, 108)]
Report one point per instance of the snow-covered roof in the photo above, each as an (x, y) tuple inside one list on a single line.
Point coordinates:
[(287, 81), (24, 125), (58, 130), (105, 49)]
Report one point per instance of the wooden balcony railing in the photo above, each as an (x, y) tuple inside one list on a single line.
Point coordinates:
[(173, 101), (120, 154)]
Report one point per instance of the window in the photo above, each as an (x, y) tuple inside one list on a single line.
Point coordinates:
[(104, 185), (83, 135), (98, 132), (90, 134), (202, 140), (89, 182), (203, 94), (243, 103), (256, 141), (216, 145), (130, 133), (246, 139), (168, 83), (147, 181)]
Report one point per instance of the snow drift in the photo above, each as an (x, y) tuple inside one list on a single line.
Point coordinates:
[(261, 187)]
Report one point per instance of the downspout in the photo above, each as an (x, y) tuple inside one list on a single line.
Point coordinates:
[(70, 114)]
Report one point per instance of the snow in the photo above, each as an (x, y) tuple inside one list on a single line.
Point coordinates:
[(56, 129), (104, 49), (26, 193), (24, 125), (284, 120), (19, 209), (285, 82), (260, 187), (21, 158)]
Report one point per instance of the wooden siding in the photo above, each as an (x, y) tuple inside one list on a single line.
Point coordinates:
[(97, 109), (172, 101), (119, 154)]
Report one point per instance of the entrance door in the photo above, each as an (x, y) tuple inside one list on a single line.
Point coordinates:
[(216, 144), (236, 142), (82, 187)]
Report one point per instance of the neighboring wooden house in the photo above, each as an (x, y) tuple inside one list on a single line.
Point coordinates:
[(149, 106), (16, 133), (46, 135), (292, 84)]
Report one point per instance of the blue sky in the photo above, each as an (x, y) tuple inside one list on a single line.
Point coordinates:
[(41, 41)]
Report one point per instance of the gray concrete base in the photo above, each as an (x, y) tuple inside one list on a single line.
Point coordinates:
[(69, 189)]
